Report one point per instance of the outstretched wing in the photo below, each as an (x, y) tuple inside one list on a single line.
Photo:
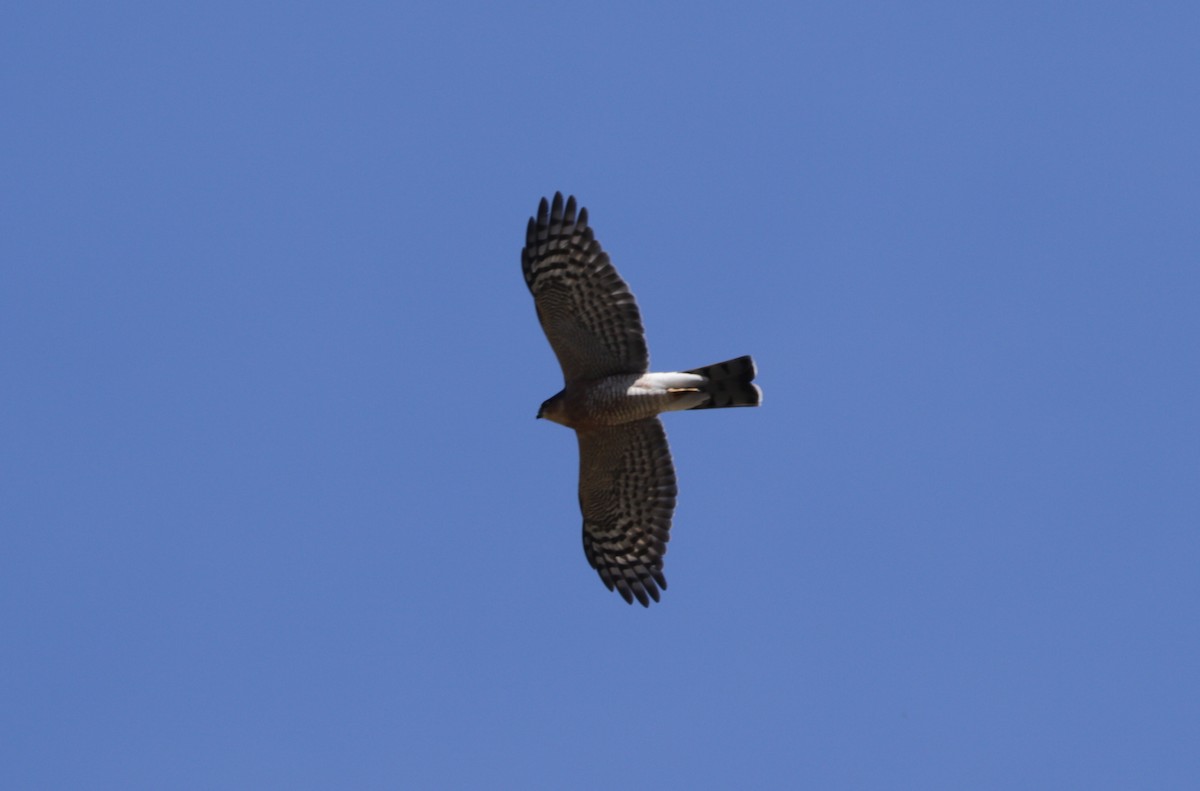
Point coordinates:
[(627, 495), (585, 308)]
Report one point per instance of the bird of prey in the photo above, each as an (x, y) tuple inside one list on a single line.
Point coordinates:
[(626, 478)]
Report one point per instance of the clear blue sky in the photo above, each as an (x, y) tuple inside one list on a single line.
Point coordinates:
[(277, 513)]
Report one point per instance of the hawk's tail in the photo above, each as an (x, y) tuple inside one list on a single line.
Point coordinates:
[(729, 383)]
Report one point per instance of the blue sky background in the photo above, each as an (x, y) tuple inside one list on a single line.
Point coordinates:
[(277, 514)]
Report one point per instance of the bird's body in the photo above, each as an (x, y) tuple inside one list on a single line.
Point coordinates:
[(626, 477), (623, 398)]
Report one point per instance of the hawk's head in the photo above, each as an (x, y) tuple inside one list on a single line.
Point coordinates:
[(554, 408)]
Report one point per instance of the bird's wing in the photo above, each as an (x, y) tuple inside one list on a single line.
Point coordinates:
[(587, 311), (627, 495)]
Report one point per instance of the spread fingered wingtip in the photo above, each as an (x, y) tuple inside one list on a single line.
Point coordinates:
[(559, 212)]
